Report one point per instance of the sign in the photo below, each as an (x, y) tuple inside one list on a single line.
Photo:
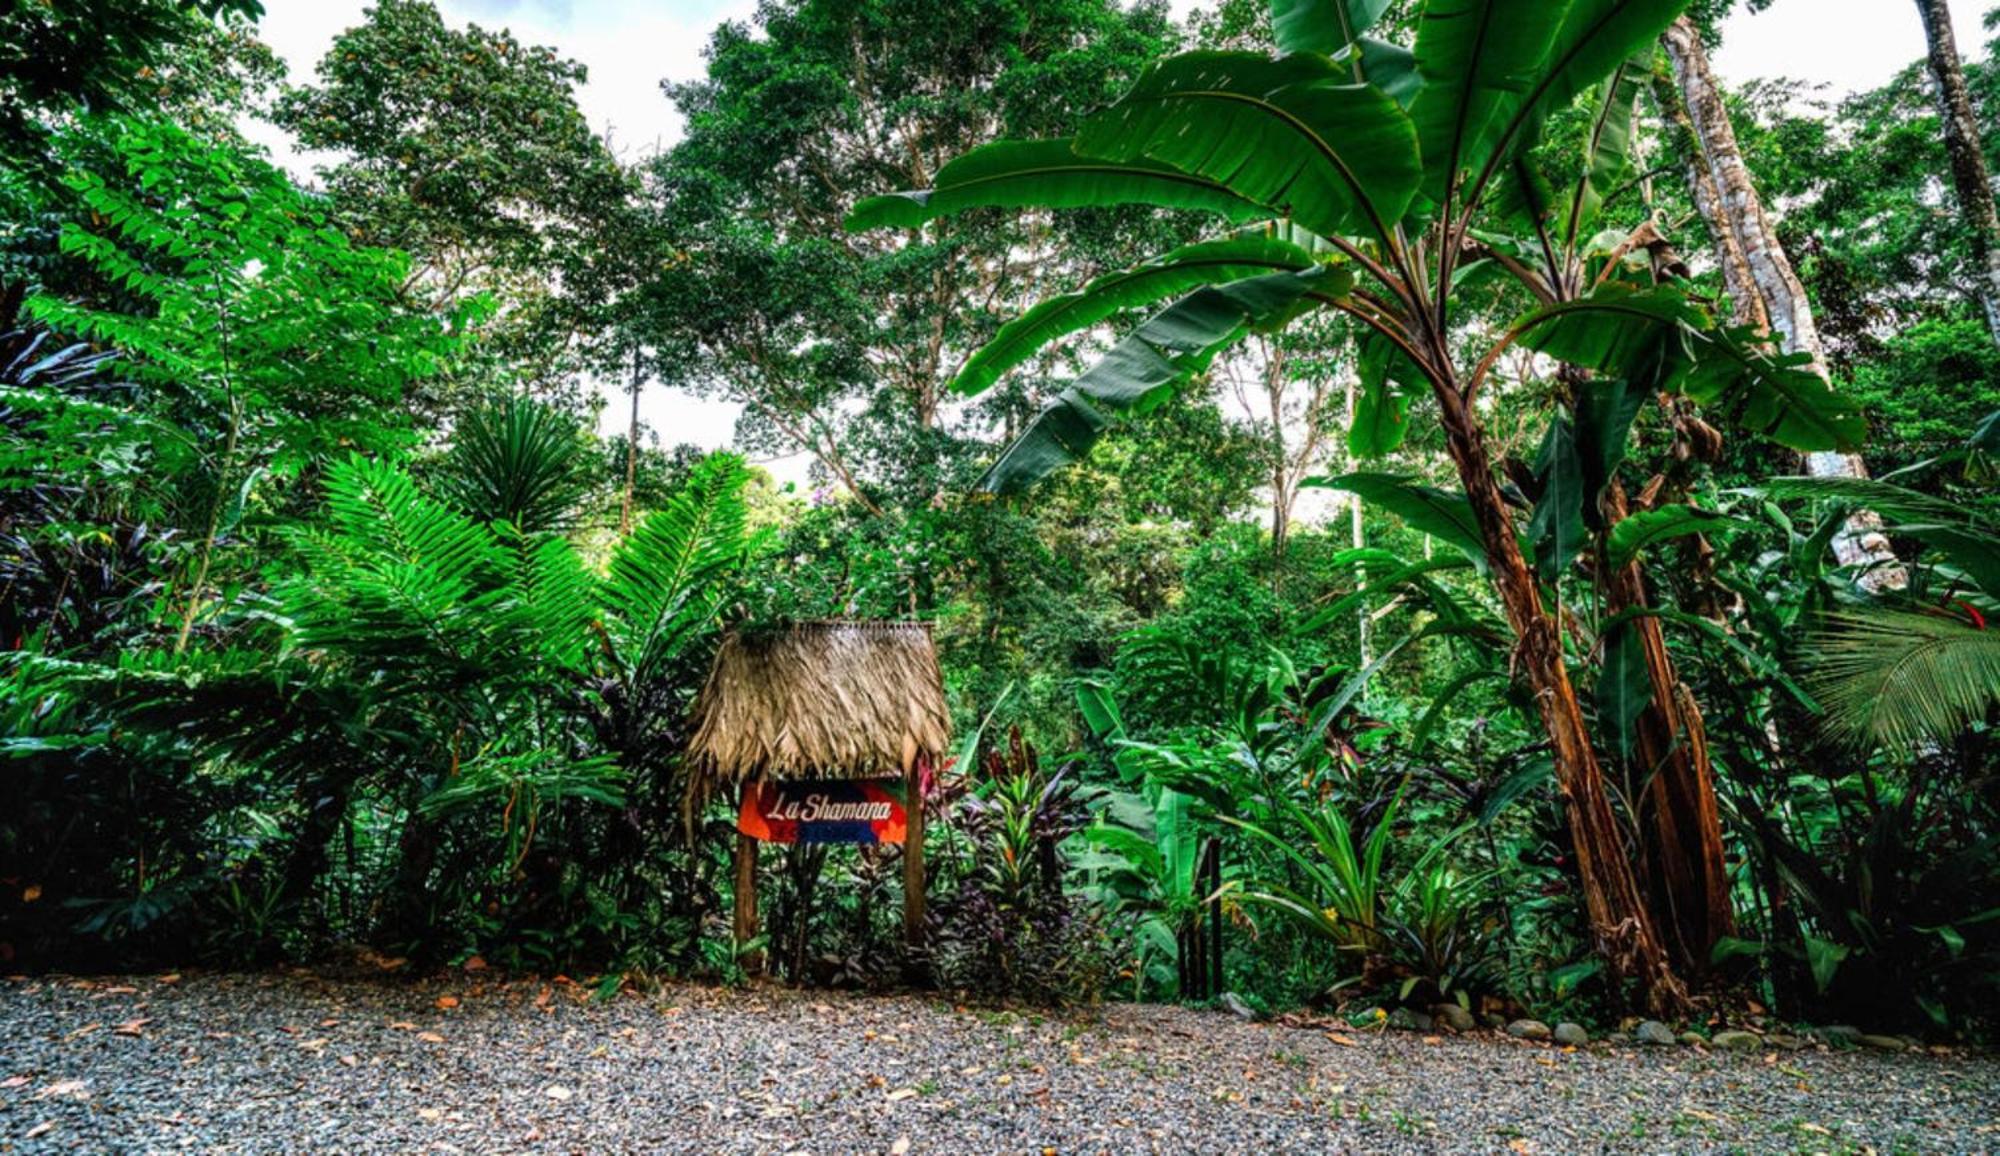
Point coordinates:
[(824, 811)]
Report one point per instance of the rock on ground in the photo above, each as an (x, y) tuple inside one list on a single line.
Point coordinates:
[(296, 1062)]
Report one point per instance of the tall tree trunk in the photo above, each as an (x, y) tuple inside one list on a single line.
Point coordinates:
[(1620, 922), (1740, 213), (1687, 873), (1968, 163), (631, 454)]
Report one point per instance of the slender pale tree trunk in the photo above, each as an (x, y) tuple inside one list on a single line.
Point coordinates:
[(1740, 213), (631, 453), (1968, 163)]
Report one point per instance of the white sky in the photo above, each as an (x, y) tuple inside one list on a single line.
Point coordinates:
[(629, 46)]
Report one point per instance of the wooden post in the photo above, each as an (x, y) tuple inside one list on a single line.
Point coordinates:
[(913, 866), (746, 897)]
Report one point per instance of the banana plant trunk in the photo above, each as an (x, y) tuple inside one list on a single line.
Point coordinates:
[(1968, 163), (1739, 213), (1621, 923), (1687, 875)]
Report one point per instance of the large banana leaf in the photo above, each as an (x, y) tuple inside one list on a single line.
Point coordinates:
[(1608, 150), (1323, 26), (1557, 528), (1443, 514), (1184, 269), (1050, 174), (1604, 411), (1142, 370), (1388, 380), (1657, 338), (1480, 61), (1294, 133), (1641, 530)]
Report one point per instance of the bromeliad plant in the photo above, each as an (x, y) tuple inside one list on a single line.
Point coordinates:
[(1389, 184)]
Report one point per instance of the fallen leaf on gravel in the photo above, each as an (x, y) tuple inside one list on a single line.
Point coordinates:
[(475, 964), (542, 1000), (1343, 1041), (430, 1114), (13, 1081), (1518, 1145), (1433, 1040), (902, 1094), (447, 1002), (135, 1027), (41, 1129), (85, 1030), (119, 989), (558, 1092), (174, 978), (327, 1023), (66, 1089), (348, 1061), (430, 1037)]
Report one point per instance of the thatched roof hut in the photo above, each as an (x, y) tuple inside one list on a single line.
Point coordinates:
[(821, 700)]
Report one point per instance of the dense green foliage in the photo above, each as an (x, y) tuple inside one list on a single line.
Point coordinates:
[(321, 633)]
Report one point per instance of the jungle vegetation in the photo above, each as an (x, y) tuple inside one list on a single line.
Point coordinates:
[(1419, 501)]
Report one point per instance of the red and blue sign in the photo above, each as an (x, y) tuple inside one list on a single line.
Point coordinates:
[(824, 811)]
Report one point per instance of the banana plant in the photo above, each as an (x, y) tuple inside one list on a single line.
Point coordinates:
[(1383, 182)]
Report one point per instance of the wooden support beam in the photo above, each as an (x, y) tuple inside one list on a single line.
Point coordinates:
[(745, 927), (913, 870)]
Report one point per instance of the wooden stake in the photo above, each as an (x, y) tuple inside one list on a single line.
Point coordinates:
[(746, 897), (913, 864)]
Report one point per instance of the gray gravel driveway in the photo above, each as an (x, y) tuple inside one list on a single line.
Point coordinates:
[(295, 1062)]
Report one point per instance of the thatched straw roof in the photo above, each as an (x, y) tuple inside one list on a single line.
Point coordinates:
[(821, 700)]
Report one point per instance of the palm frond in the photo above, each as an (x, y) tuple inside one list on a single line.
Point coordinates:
[(1900, 680), (520, 462), (665, 586)]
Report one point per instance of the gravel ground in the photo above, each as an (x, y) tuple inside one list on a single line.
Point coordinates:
[(295, 1062)]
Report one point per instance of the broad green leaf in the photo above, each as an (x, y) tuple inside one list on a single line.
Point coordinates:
[(1382, 406), (1644, 529), (1537, 770), (1975, 554), (1624, 688), (1660, 341), (1824, 957), (1556, 530), (1605, 410), (1323, 26), (1143, 369), (1480, 60), (1609, 147), (1778, 397), (1049, 174), (1184, 269), (1094, 701), (1443, 514), (1294, 133), (1389, 67), (1591, 39)]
